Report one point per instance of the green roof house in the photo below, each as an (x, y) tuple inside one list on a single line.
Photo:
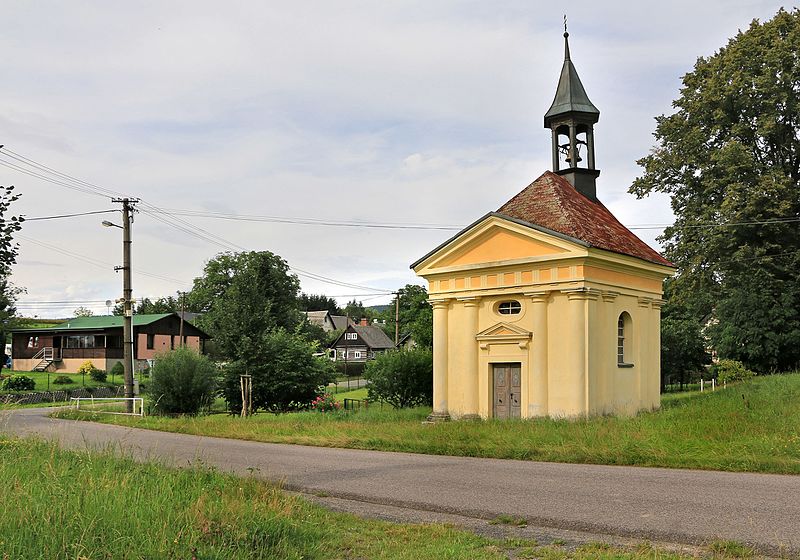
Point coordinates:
[(98, 339)]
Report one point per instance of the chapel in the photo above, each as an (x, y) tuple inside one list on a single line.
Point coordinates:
[(548, 306)]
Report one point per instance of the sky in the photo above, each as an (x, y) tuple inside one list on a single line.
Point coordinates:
[(410, 113)]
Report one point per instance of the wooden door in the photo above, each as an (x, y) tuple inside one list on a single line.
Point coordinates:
[(507, 383)]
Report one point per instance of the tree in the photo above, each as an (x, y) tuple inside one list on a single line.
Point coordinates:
[(182, 382), (243, 296), (318, 302), (416, 316), (8, 257), (285, 372), (168, 304), (83, 312), (683, 349), (402, 378), (730, 159), (355, 310)]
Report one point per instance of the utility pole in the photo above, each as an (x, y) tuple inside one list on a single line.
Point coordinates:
[(127, 299), (397, 318), (180, 331)]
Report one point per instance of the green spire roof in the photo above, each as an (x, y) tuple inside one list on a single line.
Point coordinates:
[(570, 95)]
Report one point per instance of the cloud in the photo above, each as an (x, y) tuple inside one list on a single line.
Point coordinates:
[(401, 112)]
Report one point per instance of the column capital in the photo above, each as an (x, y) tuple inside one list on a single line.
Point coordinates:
[(538, 297), (645, 301), (581, 294), (470, 301), (439, 303), (609, 296), (658, 303)]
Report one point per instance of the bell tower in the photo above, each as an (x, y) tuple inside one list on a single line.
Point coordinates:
[(571, 120)]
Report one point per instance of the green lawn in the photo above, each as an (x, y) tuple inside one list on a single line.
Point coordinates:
[(77, 380), (130, 510), (748, 427)]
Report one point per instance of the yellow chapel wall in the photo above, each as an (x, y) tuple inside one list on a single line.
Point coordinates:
[(574, 362)]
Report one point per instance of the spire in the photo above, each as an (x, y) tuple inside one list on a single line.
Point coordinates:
[(570, 95), (571, 119)]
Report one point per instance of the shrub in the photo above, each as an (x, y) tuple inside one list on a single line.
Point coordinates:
[(285, 372), (86, 368), (118, 371), (402, 378), (730, 370), (325, 403), (63, 380), (182, 381), (19, 383), (98, 375)]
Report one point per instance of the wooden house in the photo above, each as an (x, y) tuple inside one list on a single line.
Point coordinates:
[(99, 339)]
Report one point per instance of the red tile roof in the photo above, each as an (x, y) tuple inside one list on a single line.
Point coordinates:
[(552, 202)]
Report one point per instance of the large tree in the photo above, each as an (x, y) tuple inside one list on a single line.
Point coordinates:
[(416, 316), (729, 156), (242, 296), (8, 257), (318, 302)]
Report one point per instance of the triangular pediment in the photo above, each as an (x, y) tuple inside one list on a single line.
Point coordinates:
[(503, 330), (498, 240)]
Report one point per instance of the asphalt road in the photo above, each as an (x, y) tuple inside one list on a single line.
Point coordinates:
[(683, 506)]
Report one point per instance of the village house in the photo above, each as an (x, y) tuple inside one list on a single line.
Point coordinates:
[(327, 321), (359, 343), (548, 306), (65, 347)]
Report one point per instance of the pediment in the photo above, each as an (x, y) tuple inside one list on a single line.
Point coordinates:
[(497, 240), (503, 331)]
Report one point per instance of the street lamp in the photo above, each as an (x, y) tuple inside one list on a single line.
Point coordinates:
[(127, 290)]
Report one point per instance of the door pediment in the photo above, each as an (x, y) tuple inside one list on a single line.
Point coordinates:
[(504, 333)]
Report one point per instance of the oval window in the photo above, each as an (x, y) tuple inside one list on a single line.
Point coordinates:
[(509, 308)]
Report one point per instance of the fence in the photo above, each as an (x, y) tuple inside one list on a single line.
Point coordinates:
[(61, 396)]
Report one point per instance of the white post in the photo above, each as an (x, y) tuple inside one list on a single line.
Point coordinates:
[(701, 385), (713, 384)]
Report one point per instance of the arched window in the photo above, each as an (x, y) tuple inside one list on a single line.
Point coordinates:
[(623, 340), (509, 308)]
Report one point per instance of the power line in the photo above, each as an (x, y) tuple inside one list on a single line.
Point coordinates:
[(95, 262), (69, 215)]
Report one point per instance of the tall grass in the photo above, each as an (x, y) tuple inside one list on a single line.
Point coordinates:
[(82, 505), (753, 426), (85, 505)]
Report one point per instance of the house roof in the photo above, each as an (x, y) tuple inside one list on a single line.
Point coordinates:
[(316, 317), (553, 203), (340, 322), (374, 337), (102, 322)]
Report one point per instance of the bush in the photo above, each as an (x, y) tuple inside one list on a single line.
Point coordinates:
[(402, 378), (285, 372), (730, 370), (98, 375), (86, 368), (63, 380), (118, 371), (182, 382), (19, 383), (325, 403)]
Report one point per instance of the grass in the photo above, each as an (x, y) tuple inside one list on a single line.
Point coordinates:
[(136, 510), (751, 427), (77, 380)]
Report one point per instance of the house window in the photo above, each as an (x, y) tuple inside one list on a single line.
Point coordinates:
[(151, 341), (509, 308), (114, 341), (623, 345), (351, 336), (357, 355), (84, 341)]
